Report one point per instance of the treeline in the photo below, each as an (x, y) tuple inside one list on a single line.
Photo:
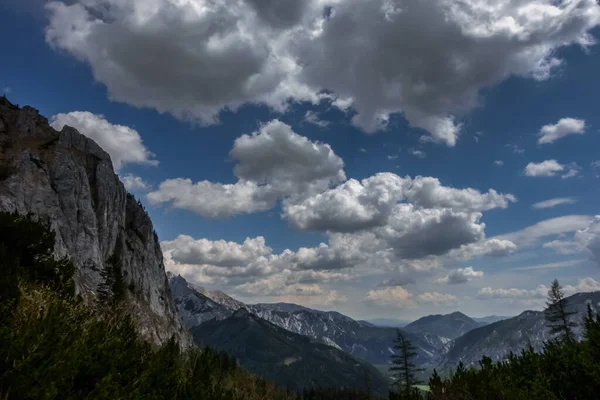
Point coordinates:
[(566, 369), (53, 345)]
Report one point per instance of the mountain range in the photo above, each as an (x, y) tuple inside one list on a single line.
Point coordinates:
[(361, 339), (289, 359), (498, 339), (441, 340)]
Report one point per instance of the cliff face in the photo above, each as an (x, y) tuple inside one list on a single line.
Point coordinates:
[(68, 179)]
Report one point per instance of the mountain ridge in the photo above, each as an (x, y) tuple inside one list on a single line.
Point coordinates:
[(68, 179)]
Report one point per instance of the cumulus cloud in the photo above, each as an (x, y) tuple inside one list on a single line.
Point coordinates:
[(553, 226), (358, 205), (214, 200), (564, 127), (437, 299), (194, 59), (133, 182), (278, 156), (461, 275), (490, 247), (427, 192), (498, 163), (351, 206), (489, 293), (123, 144), (395, 296), (545, 168), (554, 202), (187, 250), (272, 163)]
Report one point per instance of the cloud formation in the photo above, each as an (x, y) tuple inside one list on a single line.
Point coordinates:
[(564, 127), (123, 144), (553, 226), (550, 203), (194, 59), (544, 169), (271, 163), (133, 182), (460, 275)]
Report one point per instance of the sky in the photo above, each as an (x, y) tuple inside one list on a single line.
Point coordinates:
[(382, 158)]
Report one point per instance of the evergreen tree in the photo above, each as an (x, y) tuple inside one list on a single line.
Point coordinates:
[(557, 315), (403, 368), (112, 288)]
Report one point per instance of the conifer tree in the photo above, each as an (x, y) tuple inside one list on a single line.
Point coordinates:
[(557, 315), (404, 369)]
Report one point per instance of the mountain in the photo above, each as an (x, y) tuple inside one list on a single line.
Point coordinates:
[(286, 358), (68, 179), (359, 338), (389, 322), (490, 319), (448, 326), (193, 305), (498, 339)]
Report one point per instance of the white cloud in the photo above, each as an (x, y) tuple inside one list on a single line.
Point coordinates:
[(272, 163), (187, 250), (427, 192), (358, 205), (489, 247), (554, 202), (194, 59), (133, 182), (553, 226), (278, 156), (418, 153), (545, 168), (564, 127), (563, 246), (123, 144), (572, 171), (560, 264), (489, 293), (498, 163), (395, 296), (214, 200), (313, 118), (589, 238), (540, 293), (583, 285), (351, 206), (460, 275), (438, 299)]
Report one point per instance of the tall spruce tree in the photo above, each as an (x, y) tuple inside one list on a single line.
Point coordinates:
[(557, 315), (112, 288), (403, 368)]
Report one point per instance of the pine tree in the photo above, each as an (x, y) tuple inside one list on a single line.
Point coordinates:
[(404, 369), (112, 289), (557, 315)]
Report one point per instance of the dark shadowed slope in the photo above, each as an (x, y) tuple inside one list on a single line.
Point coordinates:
[(286, 358)]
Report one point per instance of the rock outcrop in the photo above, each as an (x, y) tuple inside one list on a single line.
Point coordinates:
[(68, 179)]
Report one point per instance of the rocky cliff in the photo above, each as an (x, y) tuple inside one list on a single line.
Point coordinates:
[(68, 179)]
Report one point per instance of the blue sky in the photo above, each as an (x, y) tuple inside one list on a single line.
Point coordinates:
[(169, 101)]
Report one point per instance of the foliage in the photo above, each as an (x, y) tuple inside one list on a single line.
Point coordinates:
[(55, 346), (111, 290)]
